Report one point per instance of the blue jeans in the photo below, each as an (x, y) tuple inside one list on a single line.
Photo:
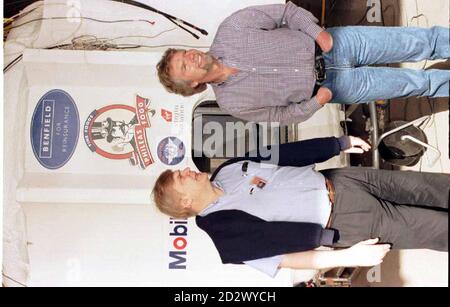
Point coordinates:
[(352, 81)]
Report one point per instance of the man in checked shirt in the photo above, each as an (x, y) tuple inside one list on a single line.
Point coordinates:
[(273, 63)]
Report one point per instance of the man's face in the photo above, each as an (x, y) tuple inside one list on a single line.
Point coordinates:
[(191, 66), (188, 182)]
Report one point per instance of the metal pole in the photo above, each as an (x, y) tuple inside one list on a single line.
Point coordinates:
[(373, 119)]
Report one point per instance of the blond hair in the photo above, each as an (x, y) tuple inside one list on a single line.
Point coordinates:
[(167, 199), (175, 86)]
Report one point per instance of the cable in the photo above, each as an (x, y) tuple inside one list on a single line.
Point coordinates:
[(92, 42), (80, 17), (417, 16), (132, 46), (12, 63), (431, 121), (172, 19), (80, 24), (142, 36)]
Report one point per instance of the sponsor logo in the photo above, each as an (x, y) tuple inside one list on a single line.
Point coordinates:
[(167, 115), (119, 132), (179, 243), (54, 129), (171, 150)]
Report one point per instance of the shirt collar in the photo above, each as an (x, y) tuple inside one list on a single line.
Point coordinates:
[(231, 79), (206, 210)]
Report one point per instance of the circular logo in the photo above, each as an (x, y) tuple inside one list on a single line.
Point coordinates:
[(54, 129), (119, 132), (171, 150), (110, 131)]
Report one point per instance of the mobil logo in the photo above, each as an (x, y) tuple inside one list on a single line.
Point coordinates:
[(178, 235)]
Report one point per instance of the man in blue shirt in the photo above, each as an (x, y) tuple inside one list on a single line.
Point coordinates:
[(274, 216)]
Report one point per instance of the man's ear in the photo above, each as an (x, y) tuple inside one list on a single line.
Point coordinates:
[(193, 84), (186, 202)]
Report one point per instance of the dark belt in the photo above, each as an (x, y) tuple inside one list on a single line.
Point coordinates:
[(319, 68), (331, 196)]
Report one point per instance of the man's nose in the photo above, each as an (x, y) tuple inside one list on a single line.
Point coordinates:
[(191, 55)]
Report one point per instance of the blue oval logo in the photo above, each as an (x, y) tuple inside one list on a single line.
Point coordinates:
[(55, 127)]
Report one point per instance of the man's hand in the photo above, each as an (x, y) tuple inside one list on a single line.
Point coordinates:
[(358, 145), (324, 95), (325, 41), (366, 253)]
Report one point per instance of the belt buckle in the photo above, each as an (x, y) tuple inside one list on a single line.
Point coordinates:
[(319, 69), (330, 188)]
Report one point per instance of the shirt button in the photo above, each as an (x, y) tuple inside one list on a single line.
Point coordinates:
[(296, 70), (254, 69), (275, 70)]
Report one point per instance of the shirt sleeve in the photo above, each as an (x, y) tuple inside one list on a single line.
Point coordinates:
[(285, 115), (274, 16), (269, 266)]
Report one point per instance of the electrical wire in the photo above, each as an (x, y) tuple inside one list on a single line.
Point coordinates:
[(80, 24), (417, 17), (142, 36), (12, 63), (133, 46), (103, 46), (171, 18), (92, 42), (431, 121), (80, 17)]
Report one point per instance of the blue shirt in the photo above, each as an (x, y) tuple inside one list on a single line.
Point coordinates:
[(273, 193)]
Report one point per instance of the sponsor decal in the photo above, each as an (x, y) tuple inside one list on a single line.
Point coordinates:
[(167, 115), (178, 235), (119, 131), (54, 129), (179, 113), (171, 150)]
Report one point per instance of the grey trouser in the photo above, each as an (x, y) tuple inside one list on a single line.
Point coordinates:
[(407, 209)]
